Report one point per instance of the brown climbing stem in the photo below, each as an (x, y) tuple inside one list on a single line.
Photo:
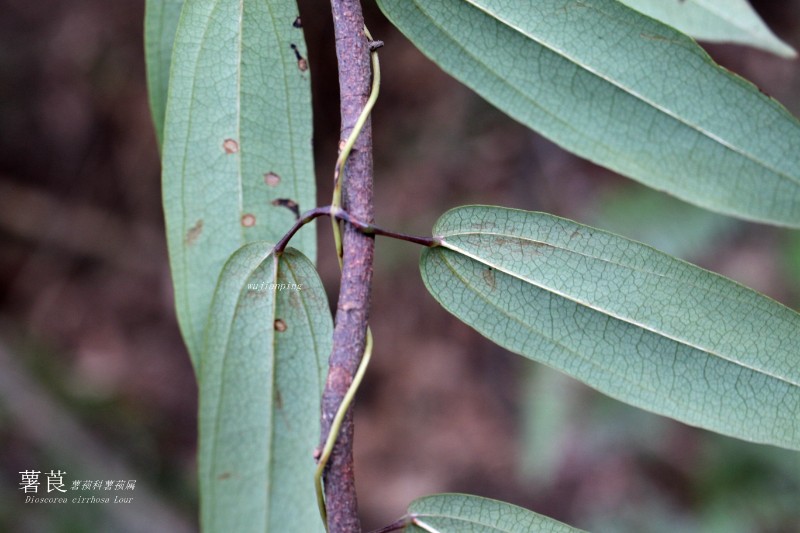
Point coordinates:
[(353, 55)]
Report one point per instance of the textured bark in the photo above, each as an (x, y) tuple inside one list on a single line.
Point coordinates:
[(352, 51)]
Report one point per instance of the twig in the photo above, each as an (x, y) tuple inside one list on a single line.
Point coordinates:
[(396, 526)]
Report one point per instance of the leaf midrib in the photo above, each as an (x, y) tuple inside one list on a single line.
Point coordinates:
[(630, 91), (616, 316), (528, 327), (240, 153), (677, 401), (520, 92), (443, 239), (273, 376)]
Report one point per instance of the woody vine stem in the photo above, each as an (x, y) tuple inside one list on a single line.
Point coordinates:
[(359, 83), (337, 214), (352, 312)]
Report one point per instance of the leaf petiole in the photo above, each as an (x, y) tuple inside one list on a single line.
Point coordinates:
[(337, 213)]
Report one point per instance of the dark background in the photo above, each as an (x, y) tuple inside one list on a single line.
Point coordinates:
[(94, 378)]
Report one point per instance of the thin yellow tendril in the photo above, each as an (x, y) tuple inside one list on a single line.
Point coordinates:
[(347, 147), (337, 424)]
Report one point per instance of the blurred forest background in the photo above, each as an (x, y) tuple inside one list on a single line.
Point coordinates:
[(95, 381)]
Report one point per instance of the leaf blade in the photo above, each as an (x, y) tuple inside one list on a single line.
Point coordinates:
[(260, 390), (624, 91), (160, 24), (723, 21), (237, 138), (451, 513), (638, 325)]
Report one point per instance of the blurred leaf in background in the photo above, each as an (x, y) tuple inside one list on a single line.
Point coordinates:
[(727, 21)]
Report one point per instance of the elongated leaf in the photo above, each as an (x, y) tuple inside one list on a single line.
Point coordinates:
[(623, 90), (726, 21), (160, 23), (462, 513), (237, 137), (261, 379), (636, 324)]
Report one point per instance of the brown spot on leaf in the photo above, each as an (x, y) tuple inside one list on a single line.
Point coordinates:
[(280, 325), (248, 220), (224, 476), (278, 399), (294, 299), (515, 243), (272, 179), (488, 277), (230, 146), (194, 232), (483, 226), (656, 37)]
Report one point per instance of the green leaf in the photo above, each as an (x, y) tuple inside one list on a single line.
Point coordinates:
[(237, 137), (160, 23), (726, 21), (624, 91), (632, 322), (462, 513), (261, 379)]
